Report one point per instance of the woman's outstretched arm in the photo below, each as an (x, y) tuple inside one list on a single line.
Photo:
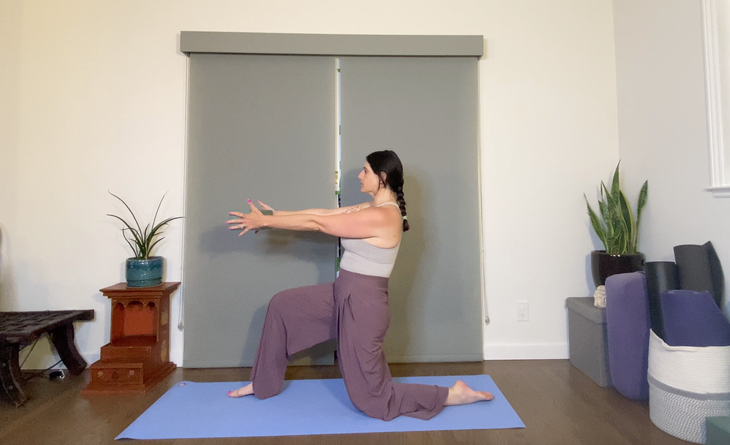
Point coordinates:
[(357, 224), (349, 209)]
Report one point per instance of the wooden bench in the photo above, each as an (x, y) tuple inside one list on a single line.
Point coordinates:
[(19, 329)]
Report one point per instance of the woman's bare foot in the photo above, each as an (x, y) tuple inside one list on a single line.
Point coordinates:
[(460, 394), (240, 392)]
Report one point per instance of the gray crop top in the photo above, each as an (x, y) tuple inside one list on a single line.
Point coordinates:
[(364, 258)]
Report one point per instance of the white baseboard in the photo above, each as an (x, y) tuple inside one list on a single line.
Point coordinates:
[(534, 351), (176, 356), (91, 357), (434, 358), (37, 361), (507, 351)]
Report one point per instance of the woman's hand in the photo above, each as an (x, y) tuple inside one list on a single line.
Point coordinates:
[(266, 207), (244, 223)]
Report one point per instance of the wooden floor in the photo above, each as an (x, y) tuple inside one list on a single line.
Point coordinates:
[(557, 403)]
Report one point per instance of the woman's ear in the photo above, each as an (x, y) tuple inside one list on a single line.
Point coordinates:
[(383, 178)]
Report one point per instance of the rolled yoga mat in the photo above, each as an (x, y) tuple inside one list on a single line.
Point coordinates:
[(693, 319), (699, 269), (660, 276)]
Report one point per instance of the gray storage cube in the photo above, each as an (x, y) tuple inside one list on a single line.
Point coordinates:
[(588, 339)]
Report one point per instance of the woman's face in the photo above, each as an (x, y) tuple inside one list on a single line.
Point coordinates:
[(369, 181)]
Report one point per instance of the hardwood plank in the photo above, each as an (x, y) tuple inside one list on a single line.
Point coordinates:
[(558, 403)]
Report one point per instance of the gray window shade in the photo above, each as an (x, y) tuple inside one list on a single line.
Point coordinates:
[(263, 127), (424, 109), (260, 127)]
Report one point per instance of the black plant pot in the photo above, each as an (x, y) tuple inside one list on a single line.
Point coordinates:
[(604, 265)]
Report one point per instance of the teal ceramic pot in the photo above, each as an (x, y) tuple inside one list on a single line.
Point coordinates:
[(144, 273)]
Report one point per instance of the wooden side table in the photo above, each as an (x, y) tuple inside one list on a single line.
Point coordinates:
[(137, 358)]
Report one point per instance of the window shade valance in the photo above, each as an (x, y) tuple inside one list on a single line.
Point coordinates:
[(330, 44)]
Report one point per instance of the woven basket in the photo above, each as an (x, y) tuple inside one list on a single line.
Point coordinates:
[(687, 385)]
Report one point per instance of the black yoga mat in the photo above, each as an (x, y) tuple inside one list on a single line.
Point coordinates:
[(699, 269), (660, 276)]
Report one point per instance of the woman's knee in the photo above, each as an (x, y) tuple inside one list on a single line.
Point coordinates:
[(376, 410), (372, 404), (280, 300)]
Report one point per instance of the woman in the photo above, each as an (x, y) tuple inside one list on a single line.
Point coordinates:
[(353, 309)]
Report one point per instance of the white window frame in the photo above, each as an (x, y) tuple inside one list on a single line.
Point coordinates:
[(718, 134)]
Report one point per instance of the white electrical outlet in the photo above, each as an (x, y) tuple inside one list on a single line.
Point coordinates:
[(523, 311)]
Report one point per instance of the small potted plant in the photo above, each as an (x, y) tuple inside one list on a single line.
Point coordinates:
[(618, 230), (143, 270)]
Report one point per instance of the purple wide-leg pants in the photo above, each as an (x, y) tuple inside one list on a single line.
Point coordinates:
[(353, 309)]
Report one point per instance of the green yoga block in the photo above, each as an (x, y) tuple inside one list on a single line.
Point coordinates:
[(717, 430)]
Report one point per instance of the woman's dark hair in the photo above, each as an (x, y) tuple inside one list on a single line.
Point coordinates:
[(388, 162)]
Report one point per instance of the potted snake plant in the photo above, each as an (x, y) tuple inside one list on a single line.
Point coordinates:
[(618, 230), (143, 269)]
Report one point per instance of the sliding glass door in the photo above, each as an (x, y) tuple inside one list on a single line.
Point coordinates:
[(264, 126), (260, 127), (424, 109)]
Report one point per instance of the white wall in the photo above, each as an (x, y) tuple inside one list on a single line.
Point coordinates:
[(98, 93), (10, 31), (663, 125)]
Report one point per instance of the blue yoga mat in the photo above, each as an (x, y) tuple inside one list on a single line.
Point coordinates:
[(200, 410)]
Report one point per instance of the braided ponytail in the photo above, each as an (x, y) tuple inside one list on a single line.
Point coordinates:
[(402, 205), (387, 162)]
